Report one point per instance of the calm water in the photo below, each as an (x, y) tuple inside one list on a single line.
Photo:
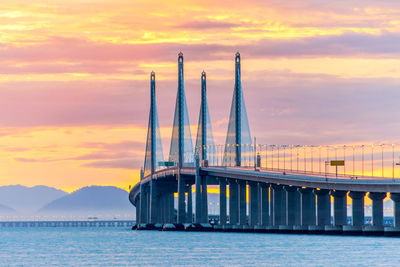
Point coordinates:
[(121, 246)]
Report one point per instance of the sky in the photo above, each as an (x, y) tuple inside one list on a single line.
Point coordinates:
[(74, 78)]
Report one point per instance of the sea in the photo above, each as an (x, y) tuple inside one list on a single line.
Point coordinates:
[(120, 246)]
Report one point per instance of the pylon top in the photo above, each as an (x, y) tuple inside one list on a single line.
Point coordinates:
[(180, 57)]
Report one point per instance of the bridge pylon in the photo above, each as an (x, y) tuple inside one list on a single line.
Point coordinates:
[(205, 145), (238, 138), (181, 150), (154, 158), (205, 151)]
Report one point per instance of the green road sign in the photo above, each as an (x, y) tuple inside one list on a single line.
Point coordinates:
[(337, 162)]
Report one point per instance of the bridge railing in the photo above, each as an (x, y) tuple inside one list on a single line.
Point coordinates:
[(357, 161)]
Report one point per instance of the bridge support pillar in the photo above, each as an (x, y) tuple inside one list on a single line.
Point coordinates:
[(143, 204), (137, 208), (160, 208), (233, 202), (357, 213), (181, 198), (297, 208), (254, 203), (290, 205), (323, 207), (377, 208), (264, 204), (222, 201), (396, 209), (197, 196), (307, 207), (189, 213), (204, 201), (242, 203), (147, 194), (171, 207), (339, 207), (166, 207), (283, 207), (154, 206), (276, 205)]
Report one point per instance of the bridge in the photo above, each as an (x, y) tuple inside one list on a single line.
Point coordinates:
[(262, 187)]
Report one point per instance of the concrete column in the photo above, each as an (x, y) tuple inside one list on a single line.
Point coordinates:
[(172, 207), (339, 207), (233, 202), (143, 204), (166, 207), (222, 201), (137, 208), (377, 208), (181, 198), (160, 208), (297, 208), (198, 197), (396, 209), (189, 218), (277, 204), (153, 201), (147, 194), (307, 207), (283, 207), (253, 204), (242, 203), (264, 204), (357, 213), (204, 200), (290, 205), (323, 207)]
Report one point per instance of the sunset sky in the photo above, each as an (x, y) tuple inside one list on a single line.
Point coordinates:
[(74, 78)]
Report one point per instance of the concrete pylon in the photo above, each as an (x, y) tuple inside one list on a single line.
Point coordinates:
[(277, 193), (233, 202), (189, 217), (376, 227), (307, 208), (264, 204), (181, 198), (197, 179), (323, 207), (222, 201), (396, 209), (339, 207), (242, 202), (153, 152), (254, 203), (181, 150), (238, 134), (291, 205), (204, 200), (357, 214), (377, 208)]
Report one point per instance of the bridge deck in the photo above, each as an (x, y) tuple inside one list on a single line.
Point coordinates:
[(312, 180)]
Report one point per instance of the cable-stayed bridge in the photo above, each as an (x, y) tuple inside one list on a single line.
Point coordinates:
[(262, 187)]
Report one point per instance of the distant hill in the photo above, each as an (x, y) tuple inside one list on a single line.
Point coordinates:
[(4, 210), (27, 200), (91, 201)]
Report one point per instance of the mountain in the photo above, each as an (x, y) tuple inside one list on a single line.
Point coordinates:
[(4, 210), (102, 201), (27, 200)]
